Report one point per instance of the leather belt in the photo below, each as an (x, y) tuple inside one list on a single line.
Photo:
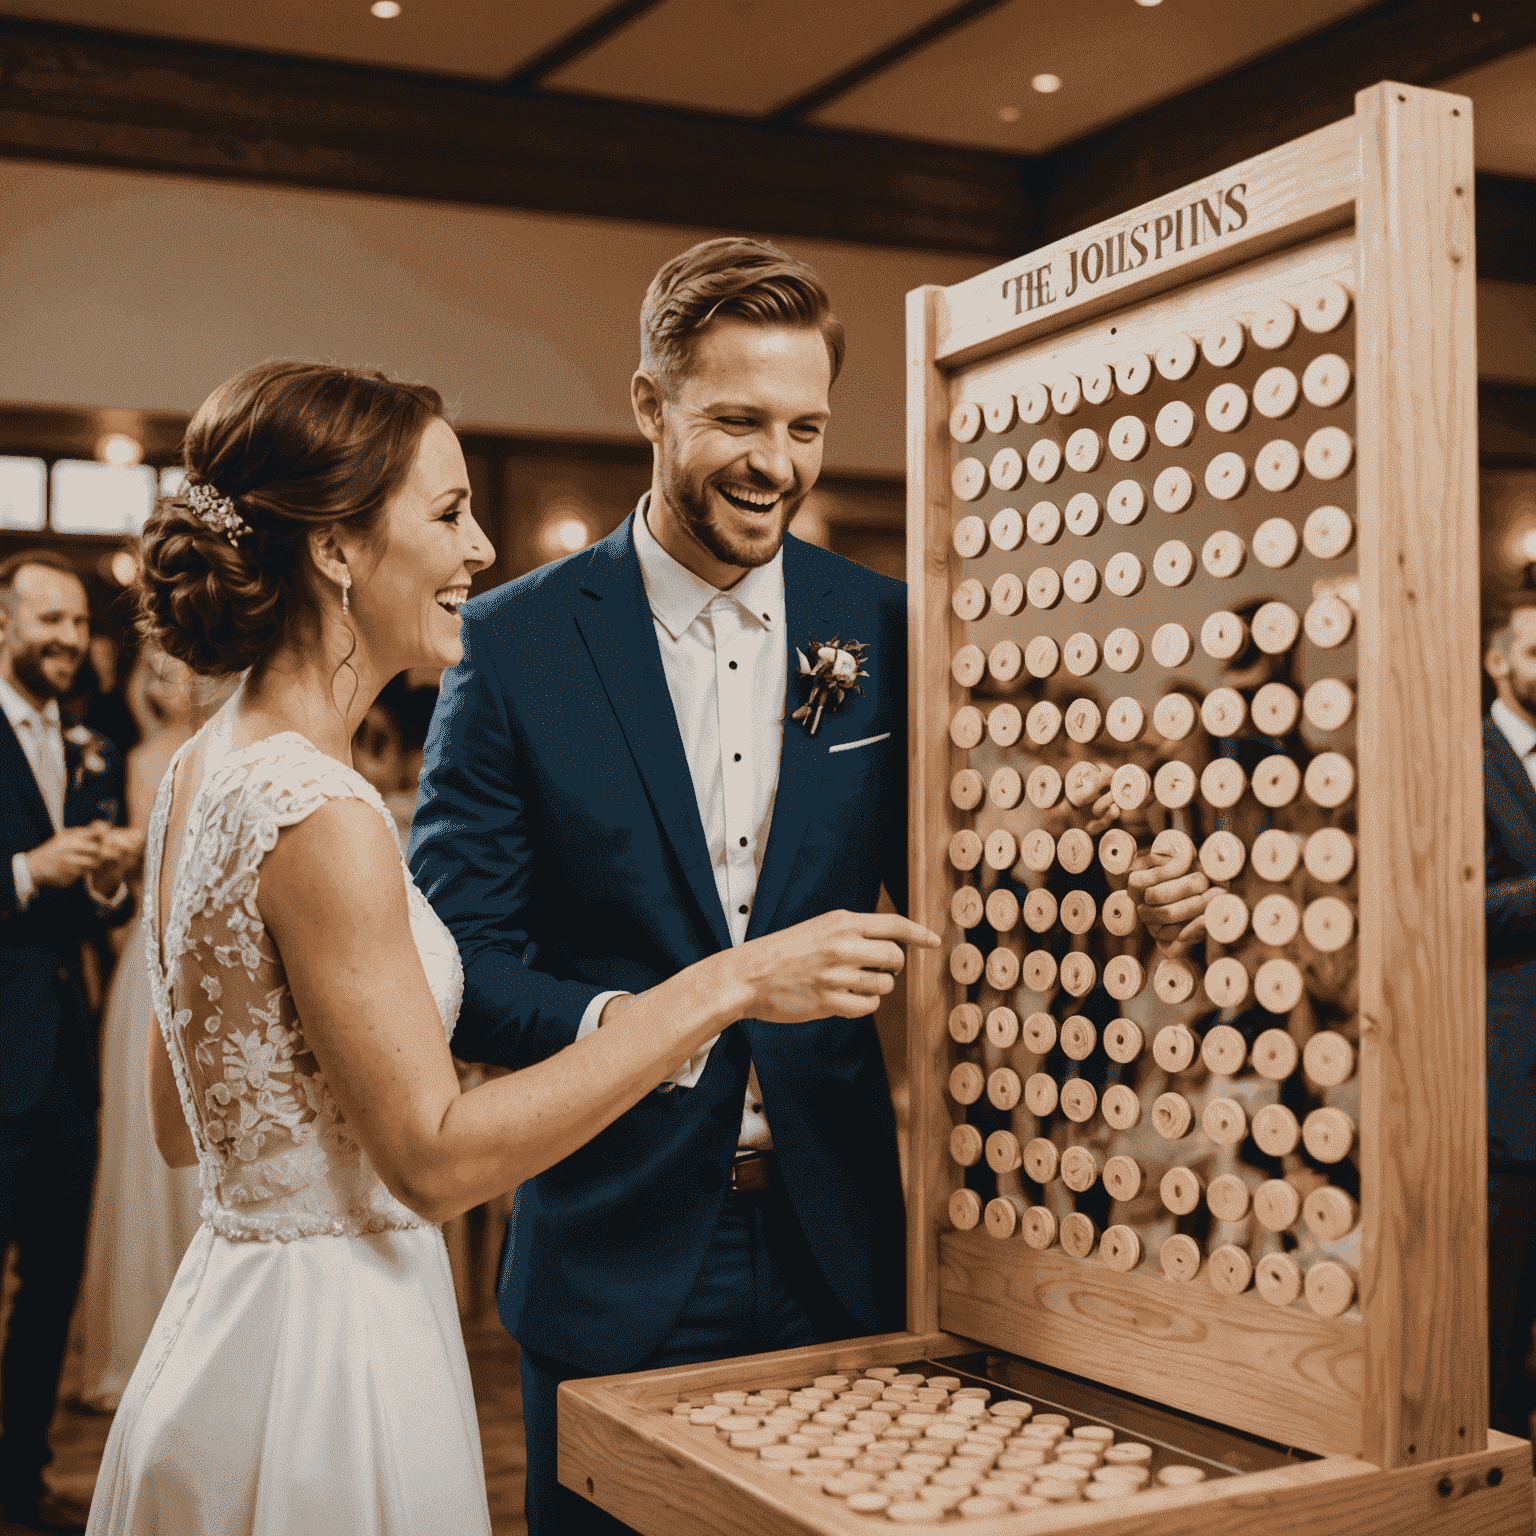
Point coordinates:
[(751, 1173)]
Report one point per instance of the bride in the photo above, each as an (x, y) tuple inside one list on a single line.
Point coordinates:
[(307, 1372)]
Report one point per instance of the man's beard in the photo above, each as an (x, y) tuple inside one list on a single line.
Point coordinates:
[(690, 504), (28, 667)]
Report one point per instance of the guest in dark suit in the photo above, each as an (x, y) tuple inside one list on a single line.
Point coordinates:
[(620, 780), (63, 863), (1509, 790)]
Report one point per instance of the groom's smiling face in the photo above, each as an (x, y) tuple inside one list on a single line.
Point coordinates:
[(739, 444)]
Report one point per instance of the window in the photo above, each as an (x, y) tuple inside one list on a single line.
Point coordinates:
[(23, 494), (88, 497)]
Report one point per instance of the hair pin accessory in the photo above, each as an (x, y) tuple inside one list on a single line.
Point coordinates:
[(216, 510)]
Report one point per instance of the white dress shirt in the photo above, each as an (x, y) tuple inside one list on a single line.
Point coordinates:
[(1520, 736), (726, 659), (42, 739)]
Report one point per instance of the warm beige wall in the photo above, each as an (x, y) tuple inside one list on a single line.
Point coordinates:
[(144, 291)]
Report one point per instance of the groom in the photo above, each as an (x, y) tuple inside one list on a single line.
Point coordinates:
[(617, 786)]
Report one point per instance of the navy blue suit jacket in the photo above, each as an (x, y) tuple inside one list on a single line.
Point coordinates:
[(44, 1019), (558, 835), (1509, 801)]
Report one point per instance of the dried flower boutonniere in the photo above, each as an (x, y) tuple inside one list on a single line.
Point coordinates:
[(90, 747), (832, 678)]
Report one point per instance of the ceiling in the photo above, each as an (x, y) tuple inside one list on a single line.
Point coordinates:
[(918, 69)]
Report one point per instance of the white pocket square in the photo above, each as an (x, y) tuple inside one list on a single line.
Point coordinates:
[(868, 741)]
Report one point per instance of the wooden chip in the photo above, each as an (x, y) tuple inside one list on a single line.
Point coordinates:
[(965, 789), (1122, 1110), (1230, 1270), (1227, 1197), (965, 422), (964, 1210), (1276, 1204), (965, 1145), (1123, 1041), (1277, 1278), (966, 1083), (970, 537), (1276, 1130), (965, 1022), (1180, 1257), (968, 479)]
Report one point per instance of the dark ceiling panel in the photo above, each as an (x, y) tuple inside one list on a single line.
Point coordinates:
[(573, 44)]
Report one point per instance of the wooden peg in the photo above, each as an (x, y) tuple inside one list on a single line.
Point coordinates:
[(1074, 848), (1004, 1088), (965, 790), (1278, 986), (1004, 662), (1180, 1257), (1128, 438), (1277, 466), (1330, 1288), (1226, 982), (964, 1022), (1323, 306), (1078, 972), (1000, 413), (1124, 978), (1003, 1215), (1066, 393), (966, 964), (1274, 324), (1275, 543), (1004, 788), (1226, 476), (1119, 913), (1122, 1109), (1078, 1235), (1002, 849), (1225, 1121), (1275, 628), (1276, 1205), (965, 422), (1172, 1116), (1117, 850), (1329, 779), (1227, 1197), (1122, 1175), (1276, 1131), (1328, 924), (1002, 969), (1222, 856), (1040, 1037), (1329, 453), (1276, 919), (968, 479), (965, 1145), (1173, 564), (1231, 1270), (1125, 576), (1330, 1213), (968, 665), (1275, 1055), (1174, 488), (1276, 392), (1329, 622), (1328, 532), (966, 1083), (1003, 1154), (1039, 1227), (1223, 635), (1329, 704), (1099, 384), (1223, 710), (1226, 920), (1181, 1189), (1277, 1277), (1079, 1099), (1078, 1036), (1133, 373), (1123, 1041), (1127, 502), (1276, 781), (1084, 450), (1005, 724), (1131, 786), (1007, 468), (1173, 981), (1002, 1028), (1045, 460), (1274, 856), (1175, 424), (1120, 1248), (964, 1209), (1042, 655), (1328, 1134), (1040, 908), (1224, 346), (970, 537), (1171, 647), (1034, 404), (1326, 380), (966, 907), (1079, 1169), (1222, 782), (1041, 1160), (1226, 407), (1080, 581), (1002, 910), (1044, 789), (1328, 1059), (1041, 1095), (969, 600), (1078, 910), (1007, 529), (1080, 654), (1176, 357)]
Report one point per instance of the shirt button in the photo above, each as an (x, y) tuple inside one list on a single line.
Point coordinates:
[(733, 666), (63, 972), (742, 910), (738, 757), (743, 842)]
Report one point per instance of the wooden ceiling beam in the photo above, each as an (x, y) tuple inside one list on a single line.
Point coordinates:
[(576, 42)]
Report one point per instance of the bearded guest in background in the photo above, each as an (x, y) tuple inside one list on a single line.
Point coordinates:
[(632, 769), (64, 861)]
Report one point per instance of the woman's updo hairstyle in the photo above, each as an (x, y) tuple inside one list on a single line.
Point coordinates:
[(294, 447)]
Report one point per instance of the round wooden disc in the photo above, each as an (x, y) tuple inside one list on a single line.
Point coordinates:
[(1326, 381), (1084, 514), (1171, 646), (1225, 1121), (1276, 392), (1099, 384), (1278, 465), (1275, 1130), (965, 1022), (1329, 621), (1042, 723), (1276, 1205), (970, 537), (1044, 525), (1226, 407), (1329, 704), (1328, 532), (1117, 851), (1124, 576), (1039, 1227), (1173, 981), (1127, 501), (1329, 453), (1002, 1028), (1173, 1048), (1275, 543), (966, 789), (1041, 1160), (1002, 910), (1066, 393), (1005, 787), (1323, 305), (1223, 1050), (1120, 1248), (1227, 1197), (1078, 1036), (1133, 373), (1079, 1169), (966, 728), (1000, 412), (1328, 1059), (1276, 919), (1040, 1037), (1119, 913), (1226, 982), (1007, 594), (1034, 403), (1130, 786), (1176, 357), (1007, 528), (1003, 1154), (1223, 710), (1175, 424), (1330, 1213), (1005, 660), (1274, 855), (1045, 460), (966, 1083), (1077, 1235), (1122, 1175), (1223, 634), (1080, 582), (1128, 438), (1080, 654), (964, 1209), (1041, 1096), (1230, 1269), (969, 600), (1275, 1055), (1181, 1189), (1173, 718), (1277, 1278), (1173, 564), (1002, 849), (1122, 1109), (1079, 1099), (1274, 324), (1278, 986), (1175, 846), (1002, 969), (1075, 850), (966, 964), (1328, 1134), (1330, 779), (1084, 450), (1223, 554), (1180, 1257), (1002, 1216), (1172, 1116), (968, 479), (1226, 476), (1005, 724), (1330, 1288), (1174, 488), (1275, 628), (968, 665), (1123, 1041), (1126, 719), (1276, 781), (1042, 656), (966, 907), (1328, 924), (1224, 346), (1040, 906), (1038, 850), (1004, 1088), (965, 422), (965, 1145), (1007, 468), (1124, 978), (1221, 856)]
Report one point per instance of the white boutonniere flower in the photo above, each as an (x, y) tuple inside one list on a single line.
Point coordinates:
[(831, 679), (90, 747)]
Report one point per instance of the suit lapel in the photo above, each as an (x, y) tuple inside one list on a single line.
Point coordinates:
[(614, 619), (15, 769), (1516, 780), (806, 611)]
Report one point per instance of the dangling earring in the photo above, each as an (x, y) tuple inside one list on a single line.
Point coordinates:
[(346, 593)]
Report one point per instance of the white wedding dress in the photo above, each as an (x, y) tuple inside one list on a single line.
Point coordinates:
[(307, 1372)]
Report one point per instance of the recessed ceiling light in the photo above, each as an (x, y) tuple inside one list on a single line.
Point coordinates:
[(1149, 3), (387, 10), (1008, 114), (1046, 84)]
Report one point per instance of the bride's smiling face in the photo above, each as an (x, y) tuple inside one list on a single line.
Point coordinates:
[(405, 605)]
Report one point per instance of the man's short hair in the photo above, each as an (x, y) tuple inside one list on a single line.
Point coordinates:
[(730, 278), (13, 563)]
